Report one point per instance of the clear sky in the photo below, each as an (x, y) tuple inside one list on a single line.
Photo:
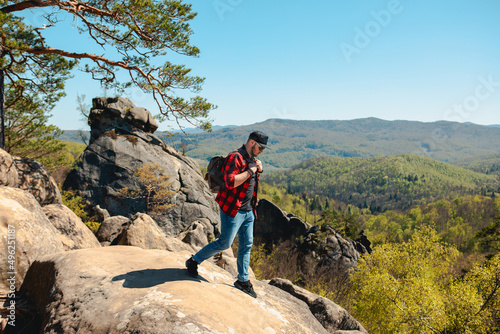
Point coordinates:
[(423, 60)]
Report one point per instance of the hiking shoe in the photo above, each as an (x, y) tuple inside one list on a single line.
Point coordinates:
[(246, 287), (192, 267)]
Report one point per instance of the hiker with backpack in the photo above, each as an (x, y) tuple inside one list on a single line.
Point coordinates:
[(237, 198)]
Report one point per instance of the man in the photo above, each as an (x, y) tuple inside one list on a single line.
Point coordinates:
[(237, 201)]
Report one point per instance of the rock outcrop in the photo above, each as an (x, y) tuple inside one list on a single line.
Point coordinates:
[(330, 315), (72, 231), (111, 229), (23, 222), (332, 248), (34, 178), (110, 113), (29, 175), (142, 231), (8, 172), (274, 225), (196, 234), (122, 141), (124, 289), (363, 243)]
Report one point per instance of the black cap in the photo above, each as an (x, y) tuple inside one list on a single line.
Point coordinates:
[(259, 137)]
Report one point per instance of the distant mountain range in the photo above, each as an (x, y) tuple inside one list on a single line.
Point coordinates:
[(295, 141)]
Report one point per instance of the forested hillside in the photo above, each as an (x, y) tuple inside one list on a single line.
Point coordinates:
[(489, 164), (295, 141), (383, 183)]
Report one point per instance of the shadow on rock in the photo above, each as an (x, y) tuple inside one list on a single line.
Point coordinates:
[(148, 278)]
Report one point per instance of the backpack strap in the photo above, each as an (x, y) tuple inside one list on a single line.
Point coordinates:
[(243, 155)]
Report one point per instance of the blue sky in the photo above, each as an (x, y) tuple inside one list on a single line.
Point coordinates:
[(332, 59)]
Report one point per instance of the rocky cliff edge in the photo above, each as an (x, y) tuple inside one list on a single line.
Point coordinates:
[(124, 289)]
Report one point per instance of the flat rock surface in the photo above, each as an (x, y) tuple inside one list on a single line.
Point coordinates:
[(125, 289)]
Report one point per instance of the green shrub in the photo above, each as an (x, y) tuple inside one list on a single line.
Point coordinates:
[(73, 200)]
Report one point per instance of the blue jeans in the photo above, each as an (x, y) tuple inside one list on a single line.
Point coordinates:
[(241, 224)]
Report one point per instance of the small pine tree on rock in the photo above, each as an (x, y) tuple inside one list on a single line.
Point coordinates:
[(154, 188)]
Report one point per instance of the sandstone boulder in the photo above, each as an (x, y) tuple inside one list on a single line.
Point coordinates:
[(73, 232), (333, 317), (124, 289), (143, 232), (33, 177), (24, 224), (117, 149), (8, 171), (100, 213), (196, 234), (111, 229), (116, 112)]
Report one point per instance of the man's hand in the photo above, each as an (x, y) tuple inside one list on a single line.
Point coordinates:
[(254, 166), (258, 163)]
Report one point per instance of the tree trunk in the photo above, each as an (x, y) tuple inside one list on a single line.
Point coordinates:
[(2, 111)]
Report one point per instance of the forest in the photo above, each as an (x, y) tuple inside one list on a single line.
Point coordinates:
[(383, 183), (434, 229), (293, 142)]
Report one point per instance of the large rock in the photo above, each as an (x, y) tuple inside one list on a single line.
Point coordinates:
[(29, 175), (73, 232), (117, 148), (196, 234), (273, 225), (34, 178), (333, 249), (363, 243), (8, 171), (333, 317), (143, 232), (111, 229), (25, 227), (125, 289), (117, 112)]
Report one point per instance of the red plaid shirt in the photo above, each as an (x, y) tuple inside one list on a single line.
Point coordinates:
[(231, 197)]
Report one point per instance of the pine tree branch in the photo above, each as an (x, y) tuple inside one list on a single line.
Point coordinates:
[(24, 5), (69, 6)]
